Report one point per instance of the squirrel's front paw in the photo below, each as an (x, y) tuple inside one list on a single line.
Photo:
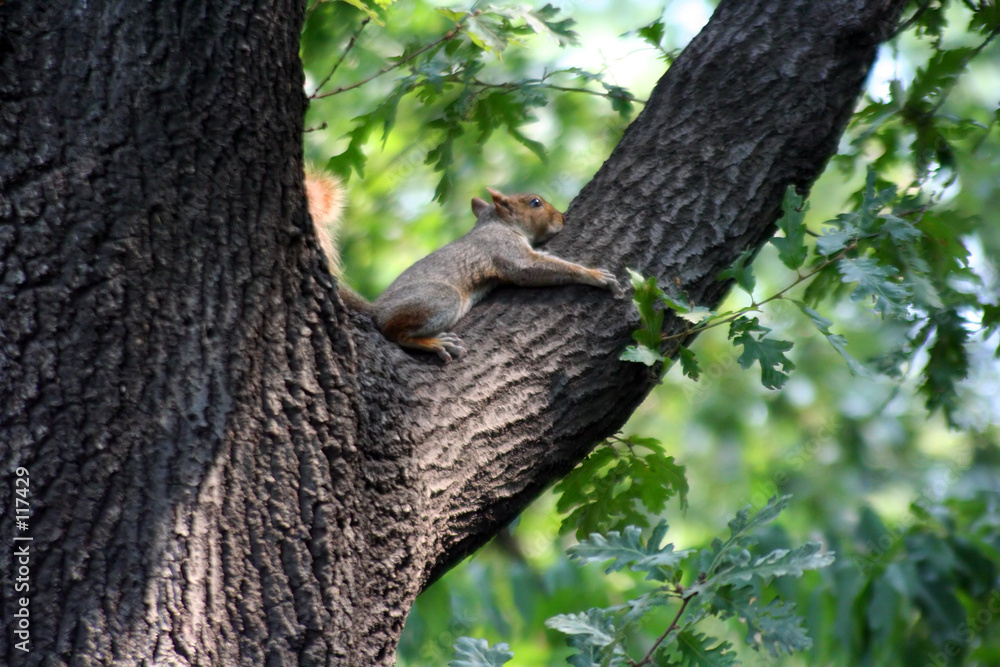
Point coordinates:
[(609, 282), (449, 346)]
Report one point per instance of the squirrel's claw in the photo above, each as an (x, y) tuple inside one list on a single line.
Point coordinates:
[(449, 346), (610, 282)]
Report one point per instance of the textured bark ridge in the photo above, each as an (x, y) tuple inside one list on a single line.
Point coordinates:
[(226, 466)]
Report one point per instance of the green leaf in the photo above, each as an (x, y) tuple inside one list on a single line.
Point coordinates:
[(698, 650), (684, 310), (931, 21), (743, 523), (638, 280), (371, 12), (620, 485), (487, 33), (621, 99), (885, 605), (833, 240), (739, 534), (742, 272), (535, 147), (898, 229), (642, 355), (690, 313), (774, 626), (352, 159), (640, 606), (689, 364), (986, 17), (872, 202), (940, 73), (778, 563), (866, 222), (601, 501), (645, 295), (792, 250), (991, 322), (947, 364), (542, 22), (451, 14), (470, 652), (767, 352), (652, 33), (627, 549), (876, 281), (656, 477), (594, 627), (838, 342), (697, 315)]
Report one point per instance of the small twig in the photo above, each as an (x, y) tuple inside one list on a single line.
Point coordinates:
[(451, 34), (350, 45), (569, 89), (673, 626), (540, 83), (756, 305)]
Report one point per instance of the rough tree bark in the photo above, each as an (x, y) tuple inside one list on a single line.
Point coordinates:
[(228, 468)]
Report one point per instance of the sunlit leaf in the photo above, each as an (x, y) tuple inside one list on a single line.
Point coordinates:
[(471, 652), (627, 549)]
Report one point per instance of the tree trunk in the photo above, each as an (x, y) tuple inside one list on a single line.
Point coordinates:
[(224, 465)]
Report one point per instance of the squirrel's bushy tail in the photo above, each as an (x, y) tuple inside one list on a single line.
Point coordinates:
[(325, 194), (326, 197)]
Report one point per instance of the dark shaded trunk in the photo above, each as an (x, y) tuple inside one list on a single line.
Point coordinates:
[(226, 467)]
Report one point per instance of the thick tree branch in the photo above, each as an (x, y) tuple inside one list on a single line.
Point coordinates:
[(756, 102)]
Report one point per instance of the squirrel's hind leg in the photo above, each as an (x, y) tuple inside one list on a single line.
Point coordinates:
[(418, 319)]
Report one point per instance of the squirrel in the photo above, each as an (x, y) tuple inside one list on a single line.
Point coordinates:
[(420, 307)]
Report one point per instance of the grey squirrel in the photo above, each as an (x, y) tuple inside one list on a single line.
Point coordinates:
[(421, 306)]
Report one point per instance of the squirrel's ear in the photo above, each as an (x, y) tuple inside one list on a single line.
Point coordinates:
[(502, 204), (479, 206)]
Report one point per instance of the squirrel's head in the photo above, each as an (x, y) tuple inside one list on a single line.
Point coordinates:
[(531, 214)]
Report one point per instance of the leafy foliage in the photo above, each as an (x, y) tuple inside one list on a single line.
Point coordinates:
[(724, 580), (884, 257), (647, 295), (621, 483), (450, 78)]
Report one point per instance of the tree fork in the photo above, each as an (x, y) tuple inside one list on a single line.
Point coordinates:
[(227, 467)]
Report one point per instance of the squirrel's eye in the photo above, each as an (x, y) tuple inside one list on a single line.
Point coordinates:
[(535, 202)]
